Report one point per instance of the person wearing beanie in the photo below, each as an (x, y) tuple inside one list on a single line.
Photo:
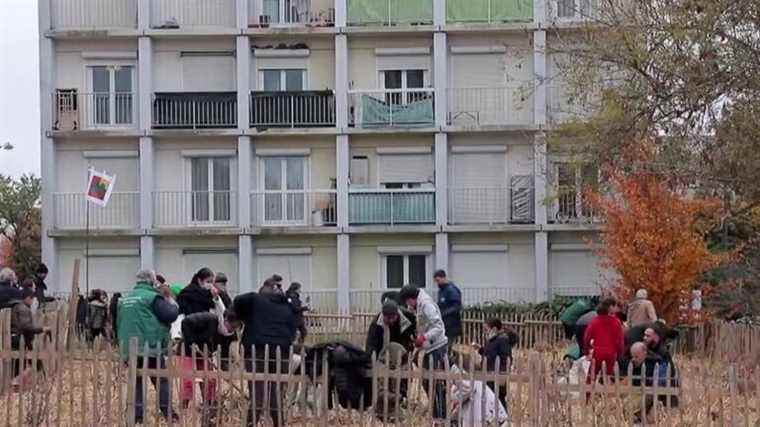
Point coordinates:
[(400, 327)]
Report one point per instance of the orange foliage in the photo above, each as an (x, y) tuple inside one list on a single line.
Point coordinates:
[(653, 238)]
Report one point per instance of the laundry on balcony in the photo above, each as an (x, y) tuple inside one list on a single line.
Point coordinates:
[(377, 112)]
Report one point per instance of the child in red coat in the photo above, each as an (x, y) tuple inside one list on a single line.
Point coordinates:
[(605, 339)]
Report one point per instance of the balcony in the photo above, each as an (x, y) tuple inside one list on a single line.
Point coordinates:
[(294, 208), (389, 12), (392, 108), (195, 110), (292, 109), (571, 208), (121, 213), (82, 15), (391, 207), (90, 111), (493, 205), (194, 209), (572, 10), (491, 106), (192, 14), (288, 13), (488, 11)]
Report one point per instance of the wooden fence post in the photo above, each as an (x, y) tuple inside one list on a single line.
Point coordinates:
[(132, 381), (73, 301)]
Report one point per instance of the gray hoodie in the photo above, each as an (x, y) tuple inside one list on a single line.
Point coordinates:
[(430, 323)]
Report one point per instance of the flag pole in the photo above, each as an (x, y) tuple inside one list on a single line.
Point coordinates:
[(87, 250)]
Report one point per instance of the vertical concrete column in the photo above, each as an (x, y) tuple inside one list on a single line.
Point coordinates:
[(147, 185), (344, 272), (245, 264), (143, 15), (442, 251), (243, 82), (342, 160), (245, 158), (539, 11), (542, 266), (440, 77), (439, 13), (145, 81), (241, 12), (341, 13), (540, 72), (441, 179), (540, 178), (47, 144), (341, 82)]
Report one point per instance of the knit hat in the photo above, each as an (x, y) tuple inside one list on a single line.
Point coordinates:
[(220, 278), (390, 307)]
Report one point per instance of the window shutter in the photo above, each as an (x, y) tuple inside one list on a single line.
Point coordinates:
[(113, 273), (406, 168), (478, 70), (125, 169), (478, 170), (208, 73), (292, 268), (403, 62)]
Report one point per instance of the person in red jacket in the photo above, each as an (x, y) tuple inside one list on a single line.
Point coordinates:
[(605, 339)]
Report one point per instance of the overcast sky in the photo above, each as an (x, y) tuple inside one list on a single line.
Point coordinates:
[(19, 87)]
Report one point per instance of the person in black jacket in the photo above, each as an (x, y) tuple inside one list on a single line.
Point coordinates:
[(197, 296), (220, 283), (400, 326), (450, 304), (9, 292), (499, 343), (113, 312), (269, 320), (294, 296), (40, 287)]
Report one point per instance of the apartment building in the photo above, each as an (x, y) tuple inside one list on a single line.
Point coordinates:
[(350, 145)]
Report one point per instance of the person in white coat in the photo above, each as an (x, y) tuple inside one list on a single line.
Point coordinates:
[(469, 396)]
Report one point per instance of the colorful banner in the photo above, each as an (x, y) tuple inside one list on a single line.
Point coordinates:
[(99, 187)]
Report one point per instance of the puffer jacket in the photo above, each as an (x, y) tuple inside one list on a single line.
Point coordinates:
[(430, 323)]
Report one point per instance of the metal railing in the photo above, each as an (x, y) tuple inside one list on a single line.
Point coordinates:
[(391, 207), (171, 14), (477, 106), (82, 111), (93, 14), (122, 211), (491, 205), (315, 208), (489, 11), (572, 10), (392, 107), (194, 110), (571, 207), (292, 109), (366, 300), (574, 290), (390, 12), (320, 300), (265, 13), (495, 294), (194, 208)]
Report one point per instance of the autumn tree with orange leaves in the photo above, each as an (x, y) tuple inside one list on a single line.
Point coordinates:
[(653, 238)]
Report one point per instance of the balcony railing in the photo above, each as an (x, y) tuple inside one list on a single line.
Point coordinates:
[(391, 207), (86, 111), (488, 11), (292, 109), (122, 212), (494, 294), (173, 14), (390, 12), (320, 300), (194, 110), (496, 205), (194, 208), (481, 106), (93, 14), (314, 208), (565, 104), (572, 10), (570, 207), (285, 13), (392, 107)]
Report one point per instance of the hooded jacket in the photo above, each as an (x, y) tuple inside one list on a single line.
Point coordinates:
[(402, 332), (8, 295), (194, 299), (450, 304), (269, 319), (641, 311), (499, 347), (430, 323), (22, 322)]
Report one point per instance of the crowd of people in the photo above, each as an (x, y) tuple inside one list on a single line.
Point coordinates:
[(200, 318)]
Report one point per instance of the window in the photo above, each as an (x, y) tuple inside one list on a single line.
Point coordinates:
[(211, 194), (283, 11), (284, 180), (573, 8), (404, 79), (111, 101), (282, 80), (400, 270), (572, 183)]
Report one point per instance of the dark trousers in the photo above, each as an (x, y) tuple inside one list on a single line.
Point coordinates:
[(161, 385), (435, 360), (265, 396)]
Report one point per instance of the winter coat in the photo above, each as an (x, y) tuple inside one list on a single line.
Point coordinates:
[(98, 315), (571, 314), (203, 330), (295, 300), (269, 319), (499, 346), (402, 332), (40, 287), (430, 323), (469, 399), (145, 314), (9, 295), (606, 332), (641, 311), (22, 322), (348, 370), (194, 299), (113, 311), (450, 304)]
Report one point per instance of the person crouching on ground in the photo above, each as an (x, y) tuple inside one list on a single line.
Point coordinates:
[(202, 334), (604, 339), (498, 347), (431, 341)]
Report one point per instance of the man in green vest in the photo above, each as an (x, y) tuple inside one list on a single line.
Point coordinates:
[(145, 315)]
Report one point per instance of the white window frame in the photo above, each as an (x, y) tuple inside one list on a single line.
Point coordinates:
[(283, 79), (404, 84), (577, 170), (383, 266), (261, 208), (189, 186), (577, 10), (112, 66)]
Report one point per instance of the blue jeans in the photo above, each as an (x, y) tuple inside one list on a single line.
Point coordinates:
[(436, 359)]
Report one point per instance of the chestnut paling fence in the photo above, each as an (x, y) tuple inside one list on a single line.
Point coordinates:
[(87, 384)]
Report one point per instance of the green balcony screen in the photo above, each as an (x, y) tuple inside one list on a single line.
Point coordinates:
[(390, 12), (489, 11)]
